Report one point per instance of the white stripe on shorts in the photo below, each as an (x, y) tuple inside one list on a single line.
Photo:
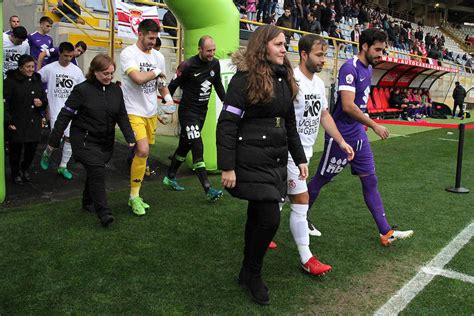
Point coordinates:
[(328, 150)]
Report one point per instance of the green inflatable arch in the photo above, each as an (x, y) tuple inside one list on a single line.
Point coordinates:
[(2, 143), (219, 19)]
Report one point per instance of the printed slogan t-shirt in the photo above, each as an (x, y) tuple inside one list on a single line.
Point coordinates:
[(61, 80), (140, 100), (310, 102)]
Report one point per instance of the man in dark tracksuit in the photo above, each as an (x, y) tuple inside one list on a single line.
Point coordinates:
[(195, 76), (459, 93)]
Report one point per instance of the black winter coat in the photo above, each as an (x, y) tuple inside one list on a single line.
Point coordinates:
[(18, 93), (254, 146), (459, 93), (94, 110)]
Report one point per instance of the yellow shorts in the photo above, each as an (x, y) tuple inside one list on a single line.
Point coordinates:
[(144, 127)]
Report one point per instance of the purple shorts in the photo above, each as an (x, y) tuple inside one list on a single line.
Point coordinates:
[(334, 160)]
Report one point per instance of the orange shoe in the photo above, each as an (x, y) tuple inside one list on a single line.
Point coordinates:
[(272, 245), (393, 235), (315, 267)]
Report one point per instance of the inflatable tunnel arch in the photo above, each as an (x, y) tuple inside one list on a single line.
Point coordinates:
[(219, 19)]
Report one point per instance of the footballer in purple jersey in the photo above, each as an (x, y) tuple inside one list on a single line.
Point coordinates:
[(353, 91), (40, 40)]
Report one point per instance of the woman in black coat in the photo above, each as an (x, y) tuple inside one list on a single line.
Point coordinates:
[(24, 100), (255, 131), (95, 106)]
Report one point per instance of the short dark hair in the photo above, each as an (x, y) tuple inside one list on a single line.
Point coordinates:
[(307, 41), (81, 44), (24, 59), (203, 39), (148, 25), (372, 35), (20, 32), (13, 16), (457, 83), (46, 19), (65, 47)]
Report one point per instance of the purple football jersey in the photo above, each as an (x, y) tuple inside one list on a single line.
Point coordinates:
[(356, 77), (39, 43)]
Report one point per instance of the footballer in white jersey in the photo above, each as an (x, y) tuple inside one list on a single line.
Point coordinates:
[(311, 110)]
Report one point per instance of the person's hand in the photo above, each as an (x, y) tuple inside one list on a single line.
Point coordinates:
[(228, 179), (12, 127), (131, 144), (303, 171), (347, 149), (381, 131), (37, 102)]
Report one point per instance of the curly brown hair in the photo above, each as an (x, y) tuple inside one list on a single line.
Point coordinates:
[(260, 73)]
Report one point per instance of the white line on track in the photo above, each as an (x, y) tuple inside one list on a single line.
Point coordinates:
[(449, 274), (407, 293), (448, 139)]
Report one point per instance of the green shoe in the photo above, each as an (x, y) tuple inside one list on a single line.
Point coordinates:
[(214, 195), (44, 162), (65, 173), (145, 205), (172, 183), (136, 205)]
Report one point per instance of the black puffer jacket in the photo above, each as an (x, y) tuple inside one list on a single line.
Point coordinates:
[(19, 92), (94, 110), (256, 146), (459, 93)]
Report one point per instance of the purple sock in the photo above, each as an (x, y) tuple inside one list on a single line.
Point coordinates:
[(374, 202), (429, 109), (314, 186)]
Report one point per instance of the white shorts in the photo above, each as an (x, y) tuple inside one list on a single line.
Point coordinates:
[(295, 185), (52, 120)]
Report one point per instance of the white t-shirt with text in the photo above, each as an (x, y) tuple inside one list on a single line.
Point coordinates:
[(60, 82), (140, 100), (309, 104)]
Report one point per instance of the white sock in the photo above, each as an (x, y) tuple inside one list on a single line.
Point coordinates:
[(67, 153), (300, 231)]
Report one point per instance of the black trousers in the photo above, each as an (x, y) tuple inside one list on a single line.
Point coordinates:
[(94, 189), (15, 150), (456, 104), (263, 219)]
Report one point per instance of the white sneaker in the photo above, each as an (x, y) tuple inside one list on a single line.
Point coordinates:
[(312, 230), (393, 235)]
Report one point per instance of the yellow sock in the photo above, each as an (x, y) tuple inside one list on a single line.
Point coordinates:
[(137, 172)]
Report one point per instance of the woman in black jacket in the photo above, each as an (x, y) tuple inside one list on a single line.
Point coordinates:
[(94, 107), (255, 131), (24, 100)]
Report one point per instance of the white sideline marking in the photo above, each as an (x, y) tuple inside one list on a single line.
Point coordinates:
[(448, 139), (398, 135), (409, 291), (449, 274)]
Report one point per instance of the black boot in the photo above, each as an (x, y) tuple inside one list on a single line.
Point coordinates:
[(258, 290), (25, 175), (106, 219)]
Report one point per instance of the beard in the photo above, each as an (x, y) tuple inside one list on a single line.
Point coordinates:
[(371, 60), (313, 68)]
